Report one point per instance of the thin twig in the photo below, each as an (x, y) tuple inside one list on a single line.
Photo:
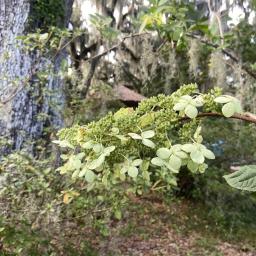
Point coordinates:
[(247, 117)]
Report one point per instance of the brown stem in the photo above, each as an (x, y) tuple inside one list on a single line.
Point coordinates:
[(247, 117)]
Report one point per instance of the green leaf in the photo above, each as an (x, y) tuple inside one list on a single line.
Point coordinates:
[(82, 173), (163, 153), (208, 154), (148, 143), (118, 214), (98, 148), (75, 174), (44, 36), (115, 130), (64, 157), (179, 106), (197, 135), (157, 161), (89, 176), (137, 162), (133, 171), (191, 111), (181, 154), (186, 98), (169, 166), (88, 144), (228, 109), (96, 163), (147, 119), (163, 2), (135, 136), (80, 155), (175, 162), (222, 99), (202, 167), (189, 147), (108, 150), (192, 166), (144, 24), (75, 163), (197, 156), (145, 165), (123, 170), (198, 102), (63, 144), (244, 179), (146, 175), (176, 148), (122, 138), (148, 134)]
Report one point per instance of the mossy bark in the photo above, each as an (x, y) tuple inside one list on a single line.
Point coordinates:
[(23, 98)]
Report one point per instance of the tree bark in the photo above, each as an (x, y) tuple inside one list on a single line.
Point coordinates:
[(22, 99)]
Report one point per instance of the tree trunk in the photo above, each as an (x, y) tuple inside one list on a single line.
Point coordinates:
[(23, 102)]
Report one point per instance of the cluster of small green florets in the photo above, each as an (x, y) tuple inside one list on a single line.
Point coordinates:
[(153, 113), (209, 104), (144, 146)]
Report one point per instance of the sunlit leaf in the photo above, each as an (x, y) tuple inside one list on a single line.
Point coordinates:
[(137, 162), (122, 138), (244, 179), (222, 99), (88, 144), (74, 163), (148, 134), (163, 153), (192, 166), (133, 171), (197, 156), (188, 147), (75, 174), (191, 111), (148, 143), (135, 136), (186, 98), (108, 150), (146, 119), (96, 163), (198, 102), (208, 154), (175, 162), (98, 148), (157, 161), (63, 143), (181, 154), (170, 167), (82, 172), (179, 106), (89, 176), (228, 109)]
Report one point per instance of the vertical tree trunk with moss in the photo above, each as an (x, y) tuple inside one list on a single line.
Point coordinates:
[(27, 106)]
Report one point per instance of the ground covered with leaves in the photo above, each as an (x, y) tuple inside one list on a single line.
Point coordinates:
[(180, 228)]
